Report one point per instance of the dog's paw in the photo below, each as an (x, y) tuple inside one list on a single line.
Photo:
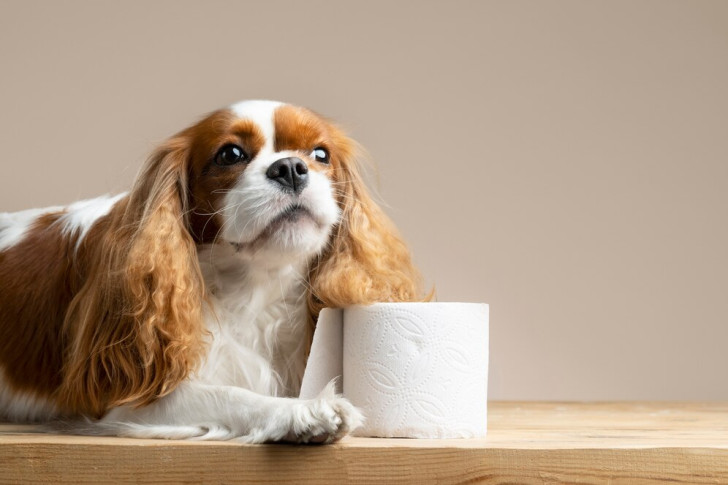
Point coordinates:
[(322, 420)]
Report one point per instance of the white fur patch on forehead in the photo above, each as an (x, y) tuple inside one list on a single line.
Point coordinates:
[(261, 112)]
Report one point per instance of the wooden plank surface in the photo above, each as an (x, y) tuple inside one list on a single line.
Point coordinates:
[(527, 443)]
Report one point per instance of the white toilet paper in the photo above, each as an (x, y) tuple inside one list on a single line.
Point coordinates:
[(417, 370)]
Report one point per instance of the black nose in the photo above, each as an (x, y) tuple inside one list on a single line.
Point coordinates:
[(291, 173)]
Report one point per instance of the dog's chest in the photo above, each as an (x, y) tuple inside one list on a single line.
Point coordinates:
[(259, 335)]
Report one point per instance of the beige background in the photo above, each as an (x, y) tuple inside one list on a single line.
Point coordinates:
[(566, 162)]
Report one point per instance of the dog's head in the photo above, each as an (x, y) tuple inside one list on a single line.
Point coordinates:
[(280, 185)]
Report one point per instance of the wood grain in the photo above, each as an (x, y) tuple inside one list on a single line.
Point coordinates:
[(527, 443)]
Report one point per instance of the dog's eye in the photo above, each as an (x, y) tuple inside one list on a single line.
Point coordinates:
[(320, 154), (230, 155)]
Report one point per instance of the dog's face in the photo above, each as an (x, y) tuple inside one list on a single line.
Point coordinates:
[(263, 179), (270, 183)]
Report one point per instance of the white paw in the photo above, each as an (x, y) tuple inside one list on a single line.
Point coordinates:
[(325, 419)]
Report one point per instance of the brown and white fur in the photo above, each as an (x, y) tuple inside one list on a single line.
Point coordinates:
[(184, 308)]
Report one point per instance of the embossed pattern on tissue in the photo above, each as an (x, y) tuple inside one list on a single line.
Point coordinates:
[(415, 372)]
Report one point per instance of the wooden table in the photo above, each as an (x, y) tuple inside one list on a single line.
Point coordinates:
[(527, 443)]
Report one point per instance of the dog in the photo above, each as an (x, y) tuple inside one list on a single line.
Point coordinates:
[(184, 308)]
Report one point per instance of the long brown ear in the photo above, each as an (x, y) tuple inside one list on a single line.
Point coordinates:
[(134, 329), (366, 260)]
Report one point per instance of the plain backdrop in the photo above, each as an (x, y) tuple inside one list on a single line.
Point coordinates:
[(565, 162)]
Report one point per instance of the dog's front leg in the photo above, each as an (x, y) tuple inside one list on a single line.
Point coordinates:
[(201, 411)]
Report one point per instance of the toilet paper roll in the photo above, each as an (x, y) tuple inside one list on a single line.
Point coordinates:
[(417, 370)]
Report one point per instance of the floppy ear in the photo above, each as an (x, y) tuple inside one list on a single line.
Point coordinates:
[(134, 329), (366, 261)]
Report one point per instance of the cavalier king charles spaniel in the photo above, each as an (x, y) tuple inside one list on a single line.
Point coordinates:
[(185, 307)]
